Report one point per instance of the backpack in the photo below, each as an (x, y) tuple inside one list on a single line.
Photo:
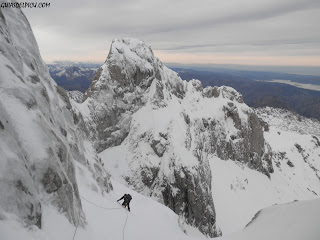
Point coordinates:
[(129, 197)]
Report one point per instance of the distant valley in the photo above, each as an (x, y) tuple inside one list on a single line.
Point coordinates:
[(265, 92), (313, 87)]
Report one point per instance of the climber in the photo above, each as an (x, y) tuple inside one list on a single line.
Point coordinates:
[(126, 200)]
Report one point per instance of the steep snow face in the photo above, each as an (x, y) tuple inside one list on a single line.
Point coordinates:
[(294, 221), (167, 128), (41, 136)]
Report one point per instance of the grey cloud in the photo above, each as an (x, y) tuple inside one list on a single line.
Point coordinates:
[(286, 27), (242, 15)]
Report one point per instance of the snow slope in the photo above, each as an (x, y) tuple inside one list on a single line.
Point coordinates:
[(106, 219), (151, 220), (291, 221), (238, 192)]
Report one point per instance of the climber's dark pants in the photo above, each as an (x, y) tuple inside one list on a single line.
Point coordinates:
[(126, 204)]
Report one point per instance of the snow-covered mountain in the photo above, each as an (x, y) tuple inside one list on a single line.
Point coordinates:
[(70, 72), (167, 130), (182, 144)]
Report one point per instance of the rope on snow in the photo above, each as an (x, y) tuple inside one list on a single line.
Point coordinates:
[(124, 226)]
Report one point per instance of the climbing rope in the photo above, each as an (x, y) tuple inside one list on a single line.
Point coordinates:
[(124, 226), (98, 205)]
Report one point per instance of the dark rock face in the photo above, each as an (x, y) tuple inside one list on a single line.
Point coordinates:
[(158, 147), (184, 189), (247, 146), (51, 181), (63, 94), (117, 91), (232, 112), (191, 202), (316, 141), (33, 212), (187, 191), (95, 78)]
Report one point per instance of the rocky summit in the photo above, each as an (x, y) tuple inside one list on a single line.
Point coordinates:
[(167, 129)]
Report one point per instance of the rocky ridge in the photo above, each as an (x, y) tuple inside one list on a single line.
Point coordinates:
[(169, 128)]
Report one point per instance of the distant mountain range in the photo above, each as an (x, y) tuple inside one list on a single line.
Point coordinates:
[(73, 75), (255, 86)]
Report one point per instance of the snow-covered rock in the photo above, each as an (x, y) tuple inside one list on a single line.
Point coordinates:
[(41, 136), (288, 121), (75, 95), (161, 130)]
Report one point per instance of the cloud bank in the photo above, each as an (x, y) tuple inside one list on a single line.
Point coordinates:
[(265, 32)]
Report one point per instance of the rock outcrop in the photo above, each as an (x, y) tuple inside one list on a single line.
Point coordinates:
[(76, 96), (118, 88)]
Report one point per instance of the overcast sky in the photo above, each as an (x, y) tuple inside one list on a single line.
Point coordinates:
[(249, 32)]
